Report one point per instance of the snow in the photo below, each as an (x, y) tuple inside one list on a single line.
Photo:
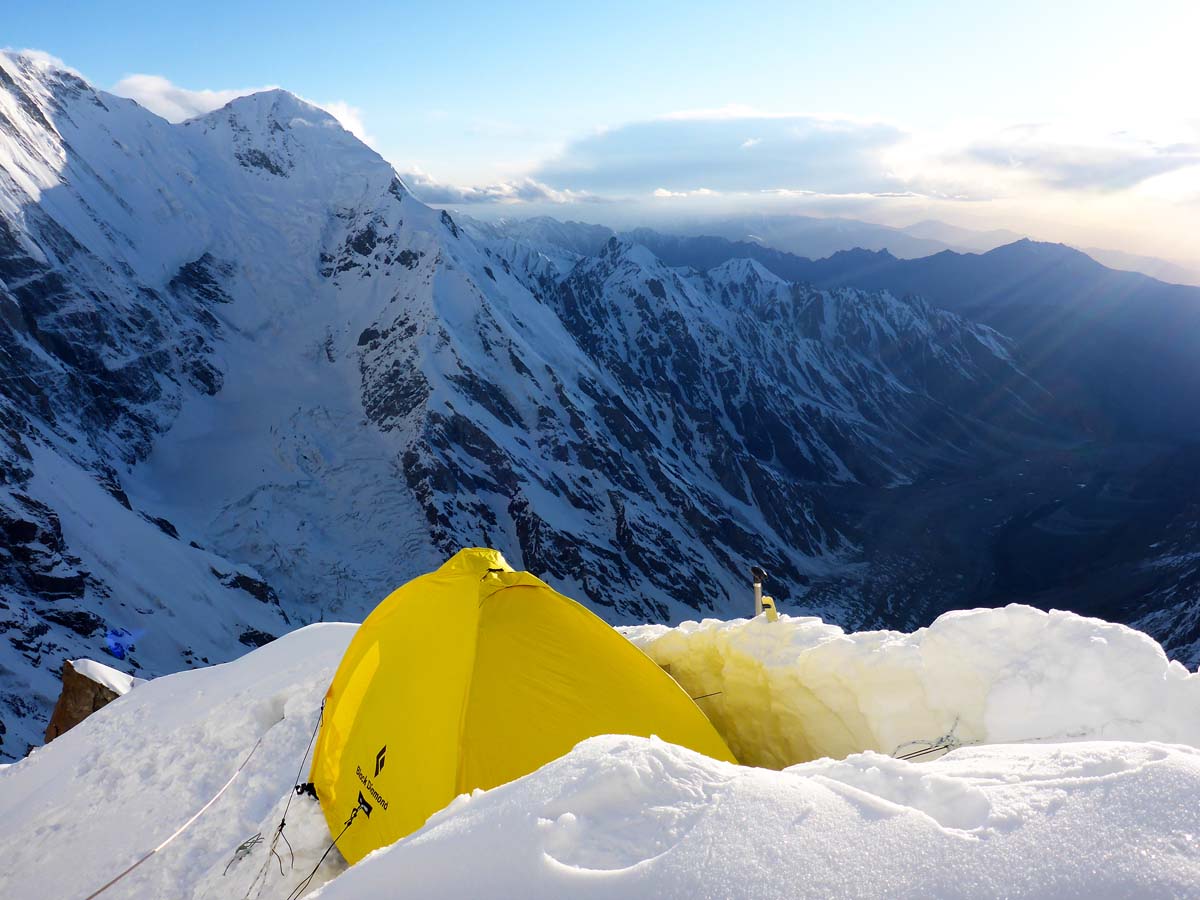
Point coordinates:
[(798, 689), (117, 682), (126, 777), (1106, 808), (629, 817)]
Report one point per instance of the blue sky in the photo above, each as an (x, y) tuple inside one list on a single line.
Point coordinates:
[(1064, 119)]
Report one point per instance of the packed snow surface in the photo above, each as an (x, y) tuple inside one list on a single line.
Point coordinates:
[(1105, 807), (630, 817)]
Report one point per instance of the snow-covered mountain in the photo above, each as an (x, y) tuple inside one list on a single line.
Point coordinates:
[(248, 381), (1104, 524)]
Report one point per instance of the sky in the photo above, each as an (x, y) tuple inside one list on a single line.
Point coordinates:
[(1071, 121)]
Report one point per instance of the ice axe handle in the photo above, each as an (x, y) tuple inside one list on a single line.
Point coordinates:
[(759, 575)]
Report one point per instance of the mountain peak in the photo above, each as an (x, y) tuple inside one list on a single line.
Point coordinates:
[(742, 269), (37, 74), (860, 254), (1043, 250), (278, 135), (281, 106), (29, 60), (617, 250)]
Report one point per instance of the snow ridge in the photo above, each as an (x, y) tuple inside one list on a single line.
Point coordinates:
[(1105, 811)]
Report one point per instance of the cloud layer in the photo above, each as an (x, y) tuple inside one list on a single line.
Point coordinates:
[(521, 190), (729, 152), (737, 150), (1105, 162)]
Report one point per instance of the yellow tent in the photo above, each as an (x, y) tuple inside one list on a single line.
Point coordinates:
[(472, 676)]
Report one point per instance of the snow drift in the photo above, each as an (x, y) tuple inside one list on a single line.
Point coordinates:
[(622, 816), (797, 689), (626, 817)]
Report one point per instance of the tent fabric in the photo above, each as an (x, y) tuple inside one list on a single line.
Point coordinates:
[(470, 677)]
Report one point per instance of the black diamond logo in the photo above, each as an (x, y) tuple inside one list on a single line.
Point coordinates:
[(380, 759)]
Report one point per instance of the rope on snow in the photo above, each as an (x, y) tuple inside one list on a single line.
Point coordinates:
[(182, 828), (948, 741)]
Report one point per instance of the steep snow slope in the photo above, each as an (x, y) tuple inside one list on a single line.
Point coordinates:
[(1104, 808), (100, 346)]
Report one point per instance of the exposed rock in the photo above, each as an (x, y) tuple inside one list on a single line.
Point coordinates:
[(81, 696)]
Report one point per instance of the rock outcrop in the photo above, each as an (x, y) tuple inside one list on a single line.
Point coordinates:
[(86, 687)]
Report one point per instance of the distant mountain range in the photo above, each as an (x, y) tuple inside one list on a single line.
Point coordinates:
[(1118, 349), (818, 237), (1107, 525)]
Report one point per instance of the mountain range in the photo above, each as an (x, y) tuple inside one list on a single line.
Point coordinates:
[(249, 381), (822, 236)]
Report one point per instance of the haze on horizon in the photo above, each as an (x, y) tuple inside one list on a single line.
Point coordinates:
[(1075, 124)]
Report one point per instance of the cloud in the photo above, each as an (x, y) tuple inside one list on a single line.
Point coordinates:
[(1069, 162), (177, 104), (677, 152), (350, 118), (521, 190), (741, 151), (664, 194), (730, 111)]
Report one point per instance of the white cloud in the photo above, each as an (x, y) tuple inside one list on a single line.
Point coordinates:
[(1085, 182), (350, 117), (707, 147), (801, 155), (1083, 161), (664, 194), (725, 113), (520, 190)]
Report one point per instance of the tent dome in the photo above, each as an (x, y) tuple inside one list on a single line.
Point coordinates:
[(470, 677)]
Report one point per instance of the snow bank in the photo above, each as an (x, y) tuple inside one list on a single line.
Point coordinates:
[(117, 682), (627, 817), (798, 689), (79, 810)]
